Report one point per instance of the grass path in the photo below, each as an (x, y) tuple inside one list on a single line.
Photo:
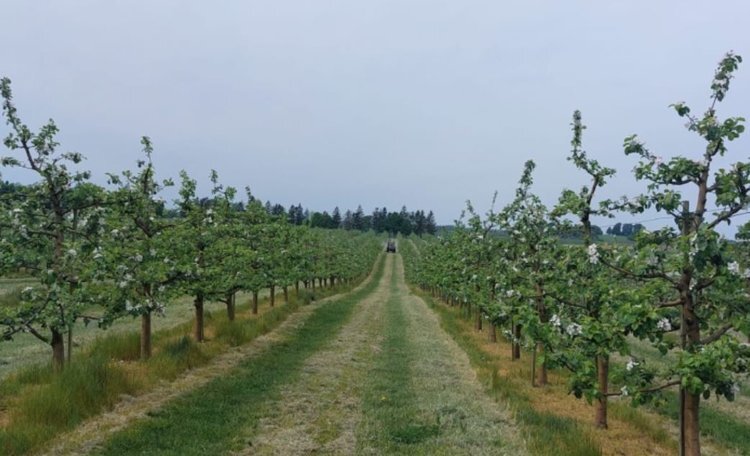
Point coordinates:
[(422, 395), (320, 411), (96, 430), (370, 372), (207, 419)]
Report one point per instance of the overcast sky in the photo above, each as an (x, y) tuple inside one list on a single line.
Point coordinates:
[(380, 103)]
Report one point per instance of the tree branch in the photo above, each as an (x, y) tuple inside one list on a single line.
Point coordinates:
[(716, 335)]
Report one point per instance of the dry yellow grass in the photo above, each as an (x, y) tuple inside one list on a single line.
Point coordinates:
[(622, 438)]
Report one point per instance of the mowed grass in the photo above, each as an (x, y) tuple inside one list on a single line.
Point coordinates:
[(545, 433), (392, 423), (206, 420), (36, 405), (420, 397)]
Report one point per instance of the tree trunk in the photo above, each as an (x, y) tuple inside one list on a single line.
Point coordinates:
[(272, 295), (70, 344), (602, 372), (692, 424), (199, 324), (296, 287), (230, 305), (492, 333), (691, 405), (58, 350), (478, 321), (333, 281), (286, 295), (543, 318), (313, 284), (146, 335), (516, 342), (255, 303), (541, 372)]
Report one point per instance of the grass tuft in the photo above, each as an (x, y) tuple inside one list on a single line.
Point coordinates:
[(123, 346), (81, 390)]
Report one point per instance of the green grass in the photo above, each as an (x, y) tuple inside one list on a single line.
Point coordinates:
[(392, 423), (545, 433), (41, 404), (643, 423), (236, 333), (25, 350), (723, 429), (206, 420), (80, 391)]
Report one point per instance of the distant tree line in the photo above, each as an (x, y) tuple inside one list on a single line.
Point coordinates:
[(381, 220), (624, 229), (628, 230)]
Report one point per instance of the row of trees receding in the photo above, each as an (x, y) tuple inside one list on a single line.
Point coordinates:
[(683, 289), (99, 254)]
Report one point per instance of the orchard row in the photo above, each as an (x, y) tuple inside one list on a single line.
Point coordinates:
[(683, 288), (98, 254)]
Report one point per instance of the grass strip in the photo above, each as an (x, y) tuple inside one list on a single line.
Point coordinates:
[(391, 421), (38, 405), (206, 420), (546, 433)]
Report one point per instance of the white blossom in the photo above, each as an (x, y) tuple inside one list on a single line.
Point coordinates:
[(573, 329), (593, 254), (630, 365), (138, 258), (28, 290), (624, 391), (555, 320), (72, 252), (664, 325)]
